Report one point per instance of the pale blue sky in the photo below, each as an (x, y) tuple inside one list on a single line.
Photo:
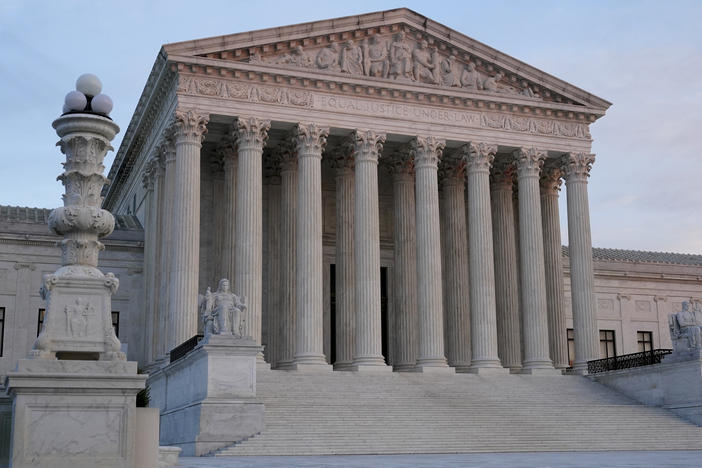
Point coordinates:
[(644, 56)]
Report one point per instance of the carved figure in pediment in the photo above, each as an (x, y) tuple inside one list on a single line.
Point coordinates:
[(255, 57), (328, 58), (296, 57), (423, 66), (491, 83), (470, 78), (352, 59), (400, 57), (449, 77), (376, 58)]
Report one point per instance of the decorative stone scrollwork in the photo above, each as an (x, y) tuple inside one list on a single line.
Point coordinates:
[(479, 156), (310, 139), (452, 169), (529, 161), (287, 153), (576, 166), (341, 158), (503, 174), (251, 132), (401, 162), (190, 125), (367, 144), (427, 151)]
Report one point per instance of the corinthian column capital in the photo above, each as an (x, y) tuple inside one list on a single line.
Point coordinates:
[(401, 163), (551, 180), (452, 169), (341, 158), (502, 175), (576, 166), (427, 151), (190, 126), (529, 161), (251, 132), (310, 139), (479, 156), (367, 145), (226, 152)]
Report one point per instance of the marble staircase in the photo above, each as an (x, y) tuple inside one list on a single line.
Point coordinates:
[(395, 413)]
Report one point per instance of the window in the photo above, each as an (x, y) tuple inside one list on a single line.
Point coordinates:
[(571, 346), (115, 322), (40, 320), (644, 340), (608, 347), (2, 329)]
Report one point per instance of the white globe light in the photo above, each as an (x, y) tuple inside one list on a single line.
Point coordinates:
[(75, 100), (89, 84), (102, 104)]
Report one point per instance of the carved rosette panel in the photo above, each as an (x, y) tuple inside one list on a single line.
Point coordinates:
[(251, 132), (576, 166), (190, 126), (551, 179), (310, 139), (529, 161), (85, 142), (479, 156), (427, 151), (367, 145)]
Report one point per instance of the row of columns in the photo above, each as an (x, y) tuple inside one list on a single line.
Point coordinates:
[(437, 317)]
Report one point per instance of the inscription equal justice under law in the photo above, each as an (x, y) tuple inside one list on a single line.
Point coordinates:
[(396, 110)]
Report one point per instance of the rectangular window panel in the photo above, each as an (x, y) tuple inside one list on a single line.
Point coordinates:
[(40, 320), (571, 346), (608, 347), (115, 322), (644, 340)]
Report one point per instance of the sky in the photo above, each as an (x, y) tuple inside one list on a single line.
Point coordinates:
[(643, 56)]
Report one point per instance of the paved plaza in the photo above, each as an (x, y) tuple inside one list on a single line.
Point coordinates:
[(483, 460)]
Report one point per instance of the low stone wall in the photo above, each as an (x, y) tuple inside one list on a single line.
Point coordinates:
[(675, 386)]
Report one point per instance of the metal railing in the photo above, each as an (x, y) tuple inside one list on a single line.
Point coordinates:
[(185, 347), (627, 361)]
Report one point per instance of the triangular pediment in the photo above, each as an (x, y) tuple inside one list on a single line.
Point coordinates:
[(392, 47)]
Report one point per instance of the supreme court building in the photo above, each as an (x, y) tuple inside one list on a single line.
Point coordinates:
[(381, 189)]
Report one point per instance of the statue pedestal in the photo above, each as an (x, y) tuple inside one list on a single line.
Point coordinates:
[(207, 399), (73, 414)]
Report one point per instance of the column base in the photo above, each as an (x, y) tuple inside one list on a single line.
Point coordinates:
[(407, 367), (488, 370), (514, 370), (310, 367), (343, 366), (462, 369), (310, 359), (370, 368), (540, 371), (433, 369)]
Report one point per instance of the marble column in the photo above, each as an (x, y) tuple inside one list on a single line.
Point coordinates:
[(151, 180), (405, 268), (229, 158), (345, 291), (553, 263), (576, 168), (215, 255), (368, 344), (427, 153), (454, 248), (166, 240), (250, 134), (506, 268), (185, 265), (272, 286), (288, 256), (479, 158), (309, 350), (531, 241)]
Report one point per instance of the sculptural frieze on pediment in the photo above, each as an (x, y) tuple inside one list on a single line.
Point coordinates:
[(401, 58)]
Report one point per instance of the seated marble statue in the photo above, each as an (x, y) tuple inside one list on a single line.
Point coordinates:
[(685, 327), (221, 311)]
